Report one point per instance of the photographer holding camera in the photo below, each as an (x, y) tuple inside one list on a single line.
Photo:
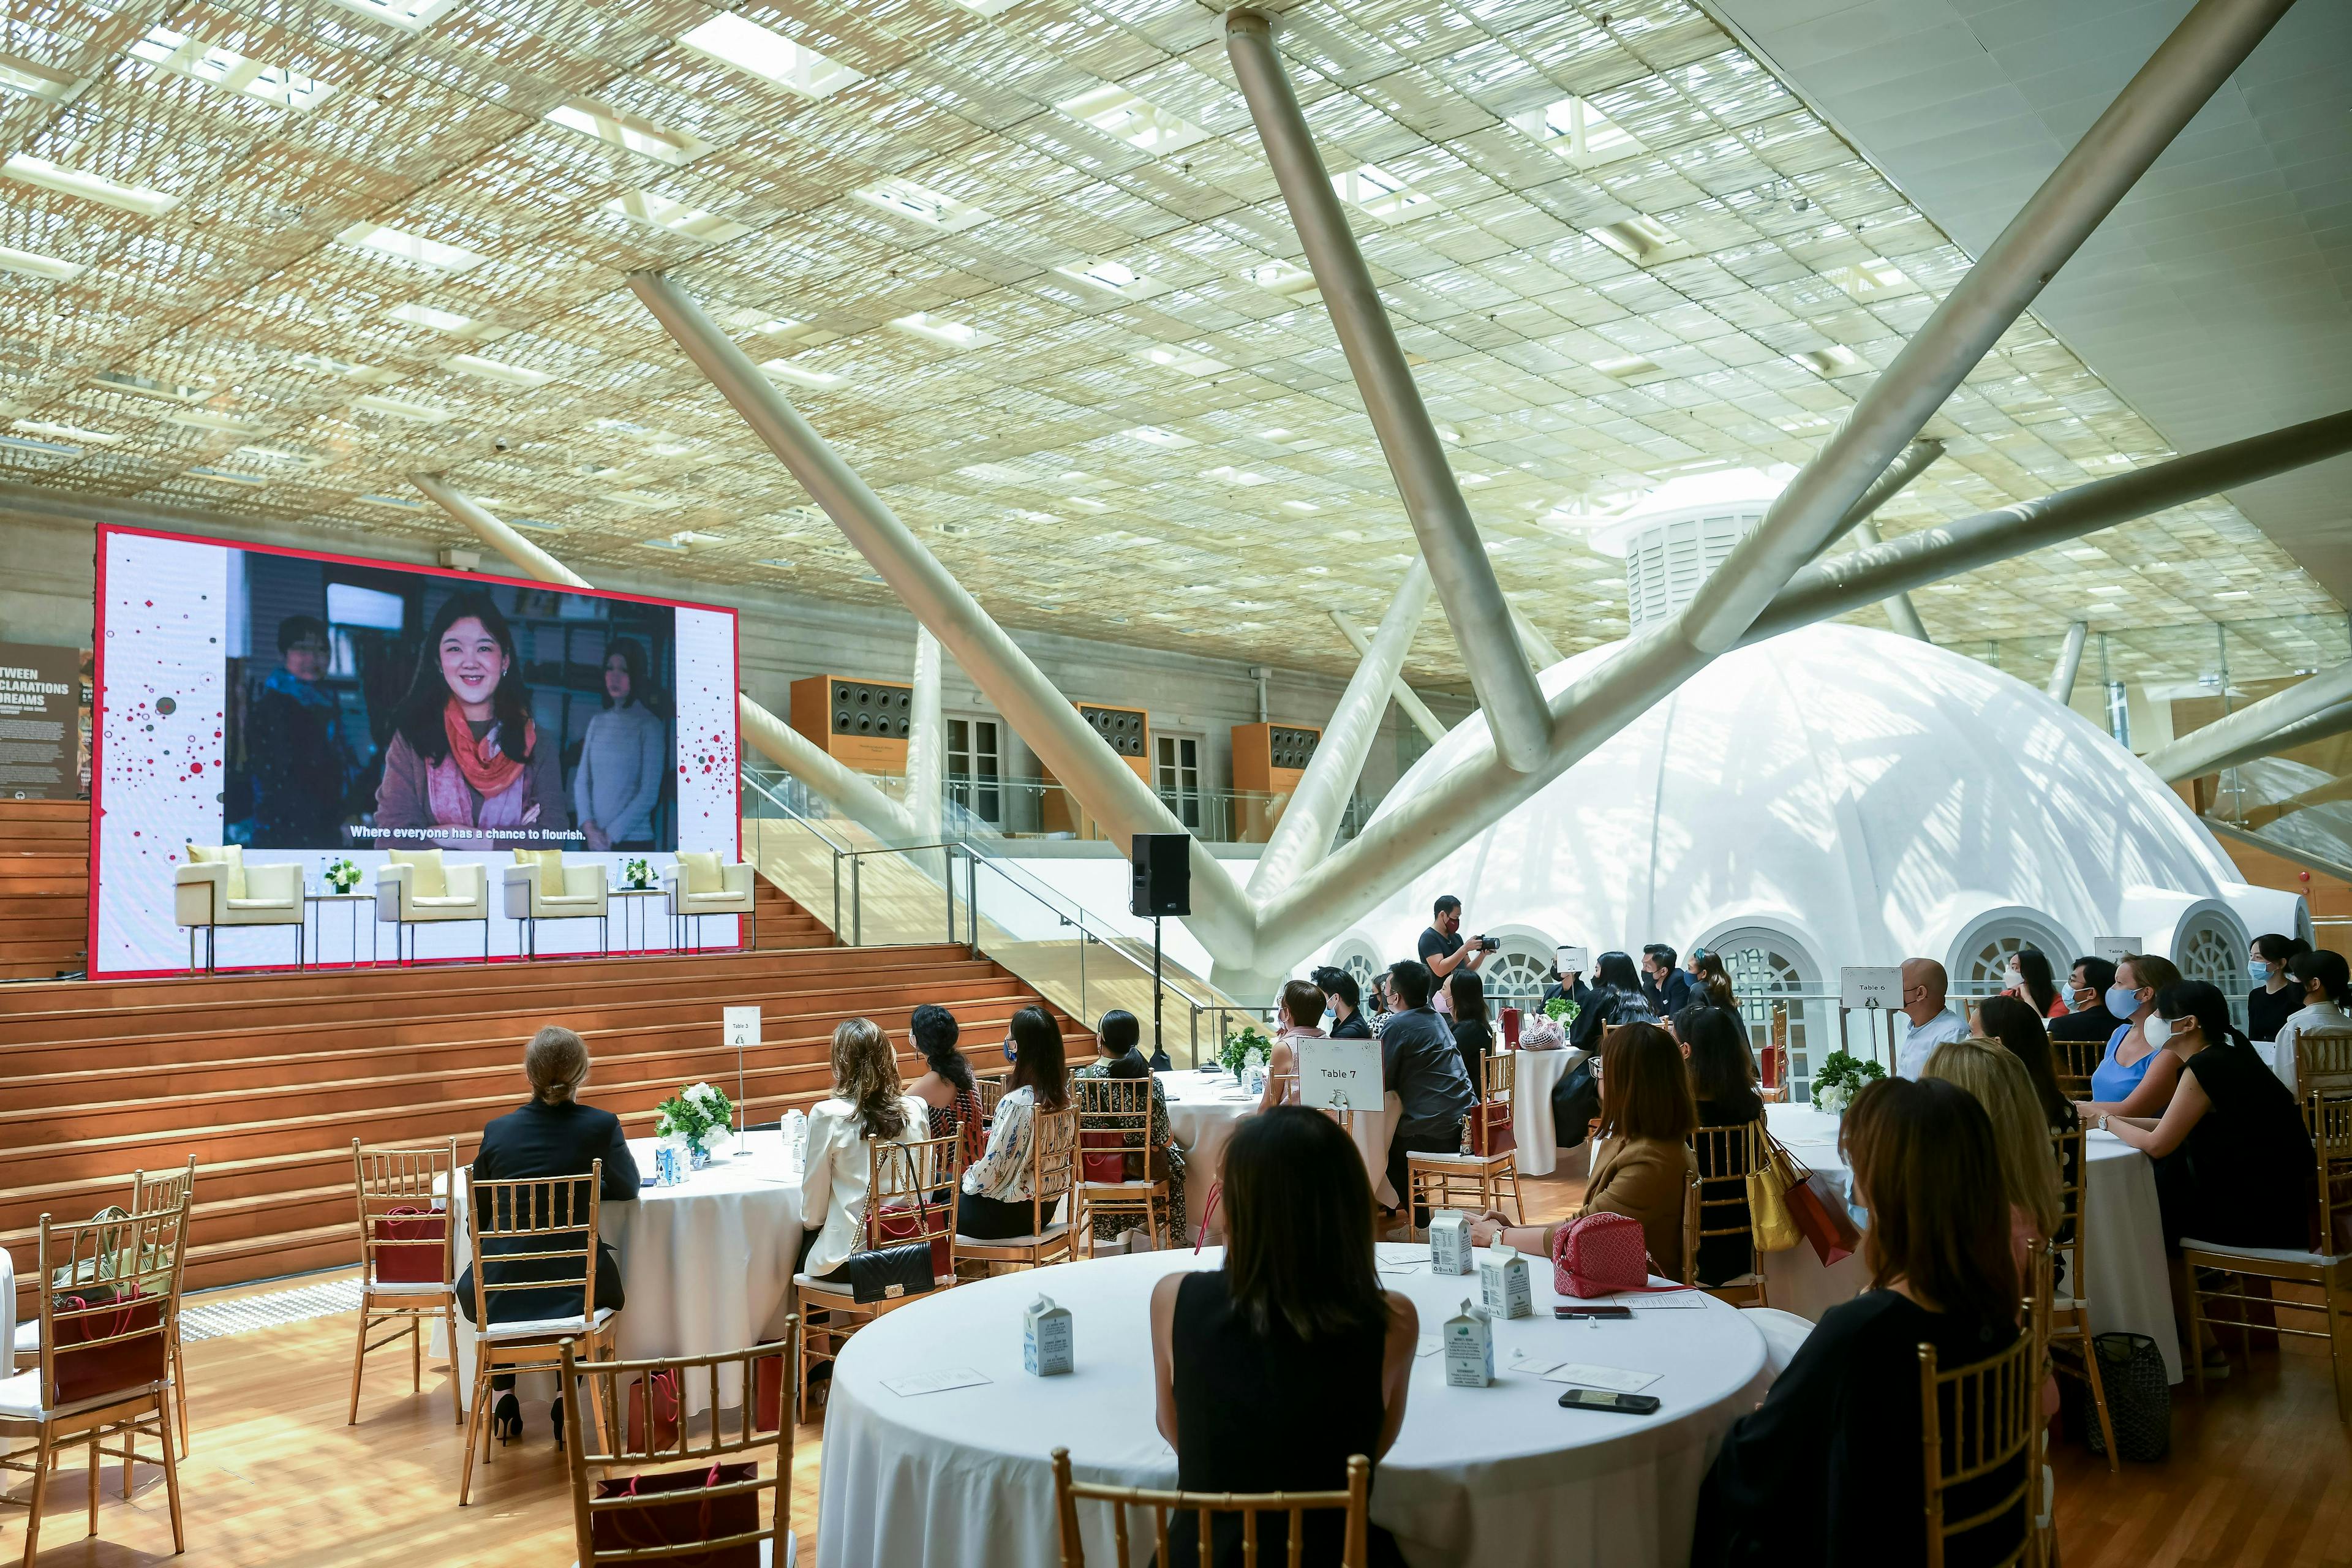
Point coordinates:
[(1441, 947)]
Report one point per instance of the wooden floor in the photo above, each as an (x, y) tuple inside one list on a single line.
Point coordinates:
[(2261, 1473)]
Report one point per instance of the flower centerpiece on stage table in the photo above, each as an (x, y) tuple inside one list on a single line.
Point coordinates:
[(1245, 1049), (697, 1115), (1839, 1079), (341, 875), (636, 873)]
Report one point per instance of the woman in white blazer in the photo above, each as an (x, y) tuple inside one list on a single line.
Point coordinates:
[(868, 1103)]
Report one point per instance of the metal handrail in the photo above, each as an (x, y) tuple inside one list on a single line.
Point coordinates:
[(793, 814)]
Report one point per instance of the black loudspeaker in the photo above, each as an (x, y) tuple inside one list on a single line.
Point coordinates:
[(1163, 874)]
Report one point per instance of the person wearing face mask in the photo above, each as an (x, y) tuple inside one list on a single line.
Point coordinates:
[(1343, 1015), (2233, 1161), (2027, 977), (2086, 1016), (1932, 1023), (2273, 998), (2135, 1078), (2325, 983), (1298, 1016)]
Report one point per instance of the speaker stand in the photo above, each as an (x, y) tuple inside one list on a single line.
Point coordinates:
[(1160, 1062)]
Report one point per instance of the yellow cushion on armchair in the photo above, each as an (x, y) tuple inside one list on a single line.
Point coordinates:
[(229, 855), (430, 881), (698, 873), (549, 863)]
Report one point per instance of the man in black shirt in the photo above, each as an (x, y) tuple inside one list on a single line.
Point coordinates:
[(1419, 1061), (1667, 986), (1441, 944), (1345, 999), (2087, 1017)]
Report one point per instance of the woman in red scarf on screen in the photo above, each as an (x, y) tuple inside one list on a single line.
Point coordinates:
[(465, 756)]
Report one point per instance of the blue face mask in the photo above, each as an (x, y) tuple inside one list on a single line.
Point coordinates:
[(2261, 971), (1012, 1051), (1859, 1214), (2123, 1003)]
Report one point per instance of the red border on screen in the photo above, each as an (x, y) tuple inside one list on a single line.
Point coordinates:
[(98, 703)]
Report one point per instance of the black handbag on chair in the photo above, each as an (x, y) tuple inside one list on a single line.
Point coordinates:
[(888, 1273), (905, 1267)]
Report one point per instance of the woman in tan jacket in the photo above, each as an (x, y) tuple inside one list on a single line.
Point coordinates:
[(1643, 1164)]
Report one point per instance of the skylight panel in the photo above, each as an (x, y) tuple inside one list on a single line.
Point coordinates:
[(417, 315), (31, 78), (193, 58), (1157, 436), (403, 408), (433, 255), (498, 370), (904, 198), (676, 217), (940, 330), (1873, 280), (1643, 240), (1578, 132), (745, 45), (614, 129), (92, 187), (1376, 192), (206, 419), (1229, 475), (408, 16), (148, 386), (36, 265), (1114, 278), (347, 370), (1135, 120), (1185, 360), (786, 370)]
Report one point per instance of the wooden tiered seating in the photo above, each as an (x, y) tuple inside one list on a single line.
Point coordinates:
[(44, 888), (266, 1078)]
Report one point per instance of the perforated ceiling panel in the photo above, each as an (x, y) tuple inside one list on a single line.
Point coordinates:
[(1025, 265)]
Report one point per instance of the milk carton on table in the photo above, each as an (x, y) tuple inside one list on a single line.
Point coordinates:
[(1047, 1340), (1449, 1242), (1502, 1287), (1469, 1338)]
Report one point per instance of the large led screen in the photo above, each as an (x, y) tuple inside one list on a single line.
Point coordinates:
[(309, 708)]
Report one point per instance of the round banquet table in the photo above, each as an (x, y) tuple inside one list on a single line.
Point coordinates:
[(707, 1263), (2124, 1270), (1500, 1477), (1205, 1106), (1533, 1078)]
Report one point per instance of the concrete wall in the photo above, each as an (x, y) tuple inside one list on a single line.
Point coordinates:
[(49, 585)]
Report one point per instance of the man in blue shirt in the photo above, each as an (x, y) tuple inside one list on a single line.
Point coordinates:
[(1420, 1063)]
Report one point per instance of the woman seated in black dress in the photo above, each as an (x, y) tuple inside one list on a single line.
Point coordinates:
[(1272, 1370), (1826, 1472), (1723, 1084), (552, 1134), (1474, 1031), (2233, 1158)]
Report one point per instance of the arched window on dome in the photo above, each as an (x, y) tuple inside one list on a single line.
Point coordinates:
[(1772, 975), (2213, 948), (1520, 971), (1360, 961), (1978, 963)]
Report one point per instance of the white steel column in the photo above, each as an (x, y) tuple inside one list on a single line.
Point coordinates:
[(1304, 834), (2061, 689), (1458, 566), (849, 791), (1537, 647), (2201, 751), (1914, 462), (1081, 760), (1432, 727), (2185, 71), (927, 775), (2326, 724)]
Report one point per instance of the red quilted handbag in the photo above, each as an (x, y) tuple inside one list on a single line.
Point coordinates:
[(1599, 1255)]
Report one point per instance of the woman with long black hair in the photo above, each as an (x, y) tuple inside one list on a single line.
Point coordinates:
[(465, 756), (998, 1199)]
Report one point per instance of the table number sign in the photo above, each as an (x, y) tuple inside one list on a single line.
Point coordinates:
[(1341, 1075), (1869, 986), (2116, 949)]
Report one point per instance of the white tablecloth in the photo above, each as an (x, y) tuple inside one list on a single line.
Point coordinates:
[(1534, 1077), (2124, 1269), (1203, 1109), (1499, 1477), (706, 1264)]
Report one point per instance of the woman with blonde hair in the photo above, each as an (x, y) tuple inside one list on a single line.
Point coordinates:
[(868, 1103), (2021, 1135)]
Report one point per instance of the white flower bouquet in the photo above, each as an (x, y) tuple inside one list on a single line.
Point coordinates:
[(636, 873), (341, 875), (696, 1115)]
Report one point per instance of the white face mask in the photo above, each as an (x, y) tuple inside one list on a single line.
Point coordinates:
[(2157, 1031)]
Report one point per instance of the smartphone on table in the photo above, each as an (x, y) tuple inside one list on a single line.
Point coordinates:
[(1601, 1311), (1602, 1399)]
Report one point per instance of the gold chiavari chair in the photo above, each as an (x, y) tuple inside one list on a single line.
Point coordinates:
[(1477, 1181), (104, 1369), (2329, 1267), (1053, 1173), (1117, 1113), (2323, 1060), (908, 1186), (1295, 1506), (407, 1258), (1716, 1206), (1975, 1421), (2073, 1062), (990, 1089), (619, 1518), (537, 1234), (2070, 1314)]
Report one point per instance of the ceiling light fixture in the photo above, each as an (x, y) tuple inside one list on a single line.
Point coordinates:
[(1114, 278), (497, 370), (1835, 360), (31, 78), (786, 370), (31, 266), (1643, 240), (433, 255), (408, 16), (413, 314), (904, 198), (199, 61), (327, 364), (745, 45), (402, 408), (67, 432), (92, 187), (206, 419), (1292, 282), (1624, 367), (1141, 124), (1178, 358), (938, 329), (676, 217), (1157, 436), (628, 131)]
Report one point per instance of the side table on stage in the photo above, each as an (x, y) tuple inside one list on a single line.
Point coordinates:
[(635, 899), (352, 901)]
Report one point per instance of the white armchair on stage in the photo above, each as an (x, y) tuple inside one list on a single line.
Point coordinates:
[(540, 887), (417, 889), (217, 888), (698, 885)]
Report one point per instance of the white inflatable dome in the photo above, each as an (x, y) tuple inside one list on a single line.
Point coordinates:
[(1838, 796)]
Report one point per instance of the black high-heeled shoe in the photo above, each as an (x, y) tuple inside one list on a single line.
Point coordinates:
[(555, 1418), (506, 1419)]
